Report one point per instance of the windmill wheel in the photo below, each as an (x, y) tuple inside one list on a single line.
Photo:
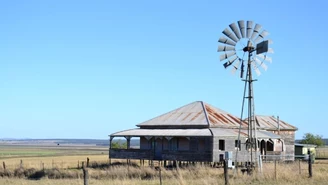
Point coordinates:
[(242, 39)]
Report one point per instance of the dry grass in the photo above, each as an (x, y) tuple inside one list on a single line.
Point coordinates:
[(194, 175), (52, 162), (322, 152), (59, 170)]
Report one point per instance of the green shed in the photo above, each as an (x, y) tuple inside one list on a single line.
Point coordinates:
[(301, 150)]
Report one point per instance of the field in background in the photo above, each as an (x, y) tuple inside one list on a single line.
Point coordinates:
[(322, 152), (51, 155), (18, 151)]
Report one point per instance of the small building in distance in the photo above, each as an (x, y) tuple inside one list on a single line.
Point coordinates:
[(301, 150), (200, 132)]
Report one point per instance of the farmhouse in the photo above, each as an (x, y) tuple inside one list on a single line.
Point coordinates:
[(201, 132)]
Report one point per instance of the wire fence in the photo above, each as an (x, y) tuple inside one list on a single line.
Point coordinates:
[(286, 165)]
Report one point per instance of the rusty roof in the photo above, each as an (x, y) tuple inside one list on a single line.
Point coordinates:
[(271, 123), (220, 118), (195, 114)]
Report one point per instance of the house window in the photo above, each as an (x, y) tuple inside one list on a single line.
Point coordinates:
[(237, 145), (221, 144)]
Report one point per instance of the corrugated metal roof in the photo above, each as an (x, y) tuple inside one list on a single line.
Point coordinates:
[(223, 132), (271, 123), (195, 114), (164, 132), (191, 114), (305, 145), (261, 134), (220, 118)]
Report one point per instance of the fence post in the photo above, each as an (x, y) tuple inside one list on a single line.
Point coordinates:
[(260, 163), (4, 165), (21, 163), (310, 164), (88, 162), (226, 175), (299, 166), (275, 169), (160, 175), (85, 174)]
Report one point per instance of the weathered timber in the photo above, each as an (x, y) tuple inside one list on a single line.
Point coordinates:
[(130, 154)]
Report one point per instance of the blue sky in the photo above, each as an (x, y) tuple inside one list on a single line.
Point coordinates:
[(86, 69)]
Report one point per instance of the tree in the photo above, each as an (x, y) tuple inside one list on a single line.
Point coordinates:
[(119, 144), (309, 138)]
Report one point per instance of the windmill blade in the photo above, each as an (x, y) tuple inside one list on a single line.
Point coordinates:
[(257, 41), (256, 31), (241, 25), (227, 55), (235, 66), (270, 50), (263, 34), (235, 29), (229, 34), (261, 63), (230, 61), (225, 40), (264, 57), (225, 48), (249, 28), (256, 69)]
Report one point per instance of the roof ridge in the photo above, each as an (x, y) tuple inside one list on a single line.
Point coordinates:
[(205, 112)]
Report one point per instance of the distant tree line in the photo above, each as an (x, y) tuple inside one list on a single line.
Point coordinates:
[(309, 138)]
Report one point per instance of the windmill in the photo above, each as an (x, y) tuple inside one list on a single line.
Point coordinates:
[(243, 46)]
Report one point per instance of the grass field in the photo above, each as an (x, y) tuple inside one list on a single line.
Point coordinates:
[(322, 152), (58, 166), (12, 151), (50, 156), (197, 175)]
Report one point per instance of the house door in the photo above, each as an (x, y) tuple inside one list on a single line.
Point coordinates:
[(158, 149)]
